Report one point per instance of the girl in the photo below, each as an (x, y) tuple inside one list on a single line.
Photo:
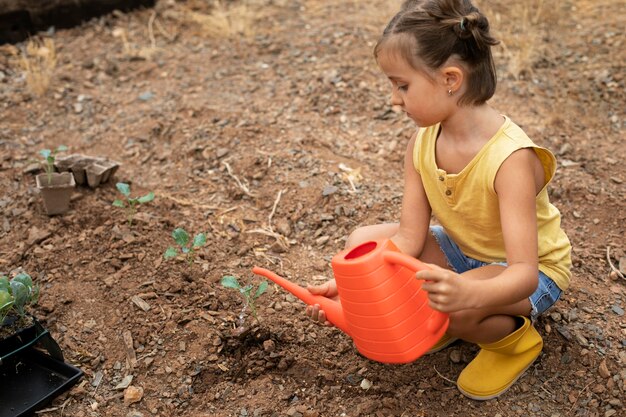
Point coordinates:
[(500, 257)]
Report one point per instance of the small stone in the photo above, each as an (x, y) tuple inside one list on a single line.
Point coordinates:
[(603, 370), (455, 356), (269, 345), (329, 189), (617, 310), (133, 394), (36, 236), (366, 384), (145, 96), (125, 382)]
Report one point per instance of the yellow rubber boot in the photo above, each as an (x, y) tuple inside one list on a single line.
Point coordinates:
[(443, 343), (498, 365)]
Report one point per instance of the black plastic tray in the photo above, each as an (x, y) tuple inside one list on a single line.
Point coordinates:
[(30, 379)]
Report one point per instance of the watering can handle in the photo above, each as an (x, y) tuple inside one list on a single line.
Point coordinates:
[(406, 261), (438, 319)]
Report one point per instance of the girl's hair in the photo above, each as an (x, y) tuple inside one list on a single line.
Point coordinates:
[(428, 32)]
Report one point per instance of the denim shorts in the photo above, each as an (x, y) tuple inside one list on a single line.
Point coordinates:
[(546, 294)]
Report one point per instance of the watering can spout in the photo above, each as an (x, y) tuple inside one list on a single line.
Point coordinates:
[(332, 308)]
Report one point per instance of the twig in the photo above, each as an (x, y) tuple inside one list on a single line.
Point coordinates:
[(151, 30), (269, 223), (164, 32), (243, 187), (443, 377), (577, 397), (608, 258)]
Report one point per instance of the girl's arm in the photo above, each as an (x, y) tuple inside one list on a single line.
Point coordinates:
[(415, 215), (517, 184)]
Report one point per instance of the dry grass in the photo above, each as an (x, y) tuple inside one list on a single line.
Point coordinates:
[(225, 21), (523, 28), (38, 60)]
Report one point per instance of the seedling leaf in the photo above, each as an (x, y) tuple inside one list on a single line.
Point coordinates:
[(118, 203), (61, 148), (181, 237), (170, 253), (230, 281), (45, 153), (146, 198), (4, 283), (5, 300), (123, 188), (262, 288), (199, 240), (25, 279), (20, 293)]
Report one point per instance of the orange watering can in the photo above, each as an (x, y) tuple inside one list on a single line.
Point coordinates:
[(381, 306)]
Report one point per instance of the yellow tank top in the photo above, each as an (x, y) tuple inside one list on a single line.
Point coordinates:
[(466, 204)]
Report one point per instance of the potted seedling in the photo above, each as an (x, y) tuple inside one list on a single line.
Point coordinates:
[(187, 248), (131, 203), (249, 296), (55, 187), (29, 356)]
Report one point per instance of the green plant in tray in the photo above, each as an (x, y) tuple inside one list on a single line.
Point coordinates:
[(187, 247), (130, 204), (16, 294), (49, 157), (249, 297)]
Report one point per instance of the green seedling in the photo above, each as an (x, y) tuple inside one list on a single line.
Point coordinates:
[(187, 248), (48, 159), (249, 298), (131, 202), (16, 294)]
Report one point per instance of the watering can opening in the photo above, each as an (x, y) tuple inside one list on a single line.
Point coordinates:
[(361, 250)]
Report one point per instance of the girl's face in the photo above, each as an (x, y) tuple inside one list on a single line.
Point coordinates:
[(423, 98)]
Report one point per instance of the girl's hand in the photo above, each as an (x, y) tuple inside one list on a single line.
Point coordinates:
[(328, 290), (447, 291)]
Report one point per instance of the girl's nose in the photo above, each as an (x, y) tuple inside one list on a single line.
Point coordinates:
[(396, 100)]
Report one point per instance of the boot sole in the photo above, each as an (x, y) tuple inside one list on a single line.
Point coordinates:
[(496, 395)]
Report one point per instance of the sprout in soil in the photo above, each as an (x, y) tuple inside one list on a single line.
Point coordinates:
[(48, 159), (230, 281), (16, 294), (187, 248), (131, 208)]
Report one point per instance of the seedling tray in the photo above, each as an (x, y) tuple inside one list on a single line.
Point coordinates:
[(32, 378)]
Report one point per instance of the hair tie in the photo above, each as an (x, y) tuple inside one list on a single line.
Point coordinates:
[(462, 24)]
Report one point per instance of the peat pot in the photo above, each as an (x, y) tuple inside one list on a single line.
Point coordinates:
[(32, 370), (57, 192)]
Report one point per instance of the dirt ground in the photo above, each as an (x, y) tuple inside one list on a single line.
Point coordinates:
[(277, 144)]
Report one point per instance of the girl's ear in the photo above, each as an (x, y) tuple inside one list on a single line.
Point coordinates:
[(452, 77)]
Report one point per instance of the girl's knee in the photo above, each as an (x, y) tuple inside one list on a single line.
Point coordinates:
[(373, 232)]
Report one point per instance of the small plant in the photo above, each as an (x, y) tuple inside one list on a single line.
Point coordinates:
[(131, 202), (187, 248), (230, 281), (49, 158), (16, 294)]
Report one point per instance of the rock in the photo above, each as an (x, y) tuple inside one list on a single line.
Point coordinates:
[(455, 356), (36, 236), (269, 345), (133, 394), (603, 370), (329, 189)]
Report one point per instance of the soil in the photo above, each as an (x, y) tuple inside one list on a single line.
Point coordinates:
[(276, 145)]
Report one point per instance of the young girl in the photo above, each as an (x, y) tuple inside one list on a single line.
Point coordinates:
[(500, 257)]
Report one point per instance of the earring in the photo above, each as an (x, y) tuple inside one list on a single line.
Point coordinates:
[(449, 92)]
